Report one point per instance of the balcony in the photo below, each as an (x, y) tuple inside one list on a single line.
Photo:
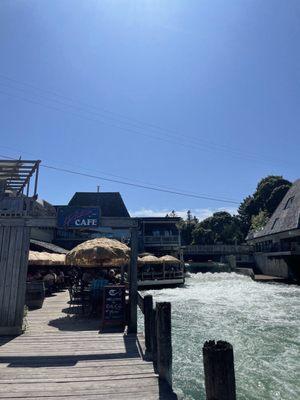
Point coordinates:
[(162, 240)]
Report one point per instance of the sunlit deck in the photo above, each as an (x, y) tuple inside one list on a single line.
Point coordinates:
[(62, 356)]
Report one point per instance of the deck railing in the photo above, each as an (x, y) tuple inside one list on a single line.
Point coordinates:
[(217, 249), (164, 274), (161, 240)]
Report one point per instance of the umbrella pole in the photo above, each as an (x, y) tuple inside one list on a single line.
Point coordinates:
[(132, 326)]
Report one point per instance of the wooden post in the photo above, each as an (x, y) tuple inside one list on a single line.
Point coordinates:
[(148, 307), (219, 371), (154, 339), (36, 178), (132, 326), (164, 341)]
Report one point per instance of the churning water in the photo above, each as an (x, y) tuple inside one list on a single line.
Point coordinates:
[(260, 320)]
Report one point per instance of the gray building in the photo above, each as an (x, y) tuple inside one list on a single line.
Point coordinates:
[(277, 245)]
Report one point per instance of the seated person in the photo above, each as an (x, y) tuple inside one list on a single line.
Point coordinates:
[(49, 280), (97, 286), (112, 276), (87, 278)]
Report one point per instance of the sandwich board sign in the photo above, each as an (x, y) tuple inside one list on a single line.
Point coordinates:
[(113, 305)]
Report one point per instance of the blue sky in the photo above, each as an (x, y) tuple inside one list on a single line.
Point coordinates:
[(201, 96)]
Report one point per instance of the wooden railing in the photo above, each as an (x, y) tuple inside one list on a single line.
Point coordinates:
[(217, 249), (161, 274), (161, 240), (217, 356)]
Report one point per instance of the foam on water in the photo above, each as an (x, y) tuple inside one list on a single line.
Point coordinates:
[(261, 322)]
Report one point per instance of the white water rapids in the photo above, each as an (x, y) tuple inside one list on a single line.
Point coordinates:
[(260, 320)]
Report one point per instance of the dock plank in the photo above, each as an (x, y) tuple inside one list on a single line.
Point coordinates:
[(62, 356)]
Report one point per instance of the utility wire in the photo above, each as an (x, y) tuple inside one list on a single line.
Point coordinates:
[(170, 135), (111, 175), (203, 197)]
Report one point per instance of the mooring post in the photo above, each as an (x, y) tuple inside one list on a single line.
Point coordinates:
[(133, 287), (219, 370), (164, 341), (154, 339), (148, 307)]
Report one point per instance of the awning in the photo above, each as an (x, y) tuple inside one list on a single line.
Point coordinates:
[(49, 247)]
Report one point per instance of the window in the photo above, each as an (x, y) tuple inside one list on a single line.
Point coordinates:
[(289, 202), (275, 223)]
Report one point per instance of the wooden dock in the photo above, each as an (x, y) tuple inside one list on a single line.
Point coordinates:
[(62, 356)]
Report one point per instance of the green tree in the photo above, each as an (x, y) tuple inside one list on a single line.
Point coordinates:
[(259, 221), (268, 195), (221, 227), (187, 227)]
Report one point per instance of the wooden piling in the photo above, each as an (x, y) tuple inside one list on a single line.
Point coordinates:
[(154, 339), (164, 341), (219, 371), (133, 294), (148, 307)]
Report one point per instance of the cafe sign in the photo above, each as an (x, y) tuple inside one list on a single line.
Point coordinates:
[(78, 217)]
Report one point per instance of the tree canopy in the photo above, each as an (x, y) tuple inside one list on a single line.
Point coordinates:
[(253, 213), (221, 227), (268, 195)]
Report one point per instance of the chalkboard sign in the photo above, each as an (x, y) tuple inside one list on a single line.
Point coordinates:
[(113, 305)]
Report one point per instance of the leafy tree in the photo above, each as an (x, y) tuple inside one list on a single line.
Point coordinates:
[(187, 227), (275, 198), (202, 236), (268, 195), (272, 187), (259, 221), (221, 227)]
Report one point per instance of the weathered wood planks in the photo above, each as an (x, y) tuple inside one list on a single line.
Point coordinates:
[(14, 246), (70, 360)]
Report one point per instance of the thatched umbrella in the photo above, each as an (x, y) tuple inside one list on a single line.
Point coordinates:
[(43, 258), (100, 252), (169, 260), (149, 260)]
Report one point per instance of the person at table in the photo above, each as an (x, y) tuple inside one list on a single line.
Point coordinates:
[(87, 278), (97, 286), (112, 277), (49, 280)]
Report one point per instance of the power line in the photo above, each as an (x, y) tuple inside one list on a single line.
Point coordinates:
[(113, 175), (202, 197), (169, 135), (142, 186)]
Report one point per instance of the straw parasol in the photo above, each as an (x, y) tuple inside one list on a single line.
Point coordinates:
[(169, 260), (101, 252), (149, 260), (43, 258)]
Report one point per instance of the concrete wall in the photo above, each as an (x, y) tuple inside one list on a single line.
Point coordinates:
[(272, 266)]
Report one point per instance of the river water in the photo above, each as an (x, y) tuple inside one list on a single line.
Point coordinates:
[(260, 320)]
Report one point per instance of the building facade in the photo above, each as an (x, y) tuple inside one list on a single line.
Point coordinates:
[(159, 235), (277, 245), (80, 219)]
